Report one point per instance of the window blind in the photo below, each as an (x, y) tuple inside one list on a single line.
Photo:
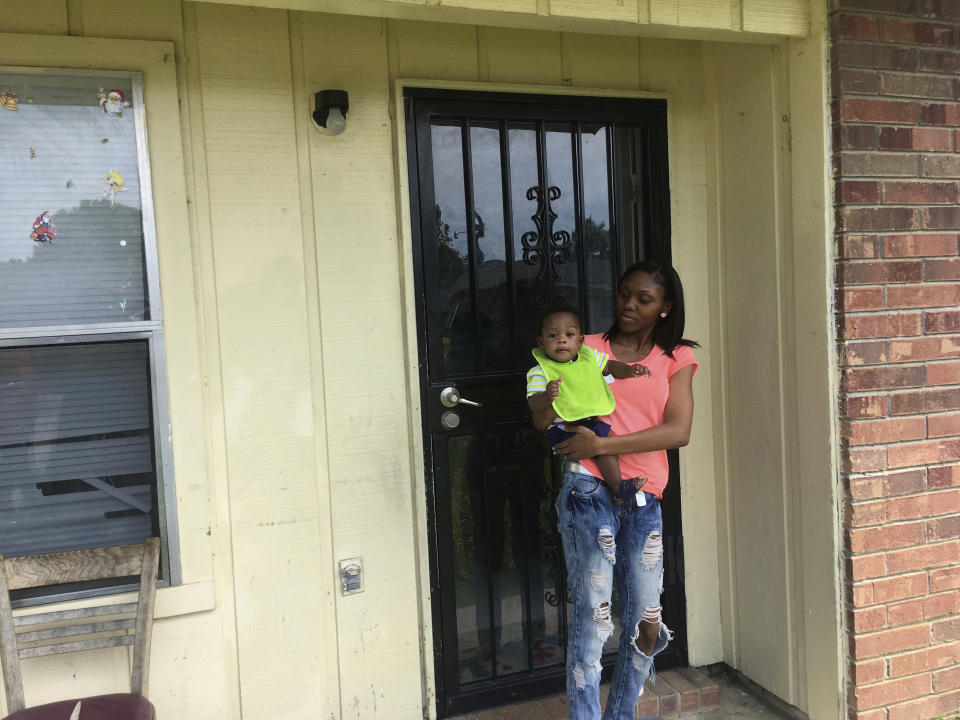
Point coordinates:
[(76, 446)]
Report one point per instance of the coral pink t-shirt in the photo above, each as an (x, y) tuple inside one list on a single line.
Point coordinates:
[(640, 404)]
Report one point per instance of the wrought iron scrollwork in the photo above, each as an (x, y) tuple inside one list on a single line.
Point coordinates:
[(531, 240), (544, 247)]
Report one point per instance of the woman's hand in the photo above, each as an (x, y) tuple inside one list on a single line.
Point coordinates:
[(583, 444)]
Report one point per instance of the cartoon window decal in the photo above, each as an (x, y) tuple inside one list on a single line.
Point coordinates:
[(70, 191), (43, 229), (112, 184), (113, 102)]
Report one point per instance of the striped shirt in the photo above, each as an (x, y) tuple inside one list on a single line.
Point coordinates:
[(537, 381)]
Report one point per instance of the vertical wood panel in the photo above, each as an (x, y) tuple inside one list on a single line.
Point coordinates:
[(817, 375), (524, 56), (436, 52), (141, 19), (40, 17), (194, 641), (365, 377), (254, 207), (217, 473), (608, 62), (750, 260)]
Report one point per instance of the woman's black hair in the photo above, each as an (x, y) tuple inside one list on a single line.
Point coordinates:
[(668, 332)]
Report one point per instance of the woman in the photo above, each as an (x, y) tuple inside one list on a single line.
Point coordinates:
[(607, 537)]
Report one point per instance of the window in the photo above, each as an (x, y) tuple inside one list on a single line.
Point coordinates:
[(83, 461)]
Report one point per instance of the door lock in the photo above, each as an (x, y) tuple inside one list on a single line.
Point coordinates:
[(450, 420), (450, 397)]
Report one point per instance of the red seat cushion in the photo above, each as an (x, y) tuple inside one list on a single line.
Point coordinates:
[(121, 706)]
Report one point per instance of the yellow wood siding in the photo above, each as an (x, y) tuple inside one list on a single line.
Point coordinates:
[(511, 6), (365, 374), (285, 259), (628, 11), (750, 120), (519, 56), (723, 18)]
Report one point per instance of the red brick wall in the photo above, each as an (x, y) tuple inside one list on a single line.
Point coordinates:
[(896, 85)]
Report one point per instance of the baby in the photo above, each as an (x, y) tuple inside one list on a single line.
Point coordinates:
[(562, 358)]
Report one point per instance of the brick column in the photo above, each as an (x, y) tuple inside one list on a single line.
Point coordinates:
[(896, 80)]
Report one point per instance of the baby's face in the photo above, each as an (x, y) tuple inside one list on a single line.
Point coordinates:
[(560, 336)]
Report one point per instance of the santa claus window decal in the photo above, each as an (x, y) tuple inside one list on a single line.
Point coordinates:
[(81, 366)]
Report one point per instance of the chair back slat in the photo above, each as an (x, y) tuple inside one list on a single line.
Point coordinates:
[(62, 631), (92, 644), (29, 571), (58, 615), (144, 632), (8, 649), (42, 634)]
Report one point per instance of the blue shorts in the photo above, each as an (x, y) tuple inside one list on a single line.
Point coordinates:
[(557, 434)]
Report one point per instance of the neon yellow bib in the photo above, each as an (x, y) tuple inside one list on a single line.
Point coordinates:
[(583, 393)]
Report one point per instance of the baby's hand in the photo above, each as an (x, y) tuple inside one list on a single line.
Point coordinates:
[(623, 371), (553, 388), (640, 370)]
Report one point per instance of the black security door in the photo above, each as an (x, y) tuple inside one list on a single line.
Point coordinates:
[(519, 201)]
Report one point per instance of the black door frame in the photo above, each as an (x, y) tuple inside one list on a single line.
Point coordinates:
[(656, 239)]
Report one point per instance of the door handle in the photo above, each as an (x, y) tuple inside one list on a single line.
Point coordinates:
[(450, 397)]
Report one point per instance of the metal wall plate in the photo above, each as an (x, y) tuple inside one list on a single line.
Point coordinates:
[(351, 576)]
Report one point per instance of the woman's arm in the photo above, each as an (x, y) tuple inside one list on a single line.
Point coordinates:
[(672, 433)]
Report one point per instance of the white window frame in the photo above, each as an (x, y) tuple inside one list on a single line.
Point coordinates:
[(149, 330)]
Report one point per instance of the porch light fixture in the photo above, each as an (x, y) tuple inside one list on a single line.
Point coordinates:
[(330, 110)]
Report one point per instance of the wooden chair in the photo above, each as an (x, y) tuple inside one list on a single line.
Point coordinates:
[(83, 629)]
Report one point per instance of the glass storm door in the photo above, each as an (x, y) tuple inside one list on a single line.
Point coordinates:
[(518, 202)]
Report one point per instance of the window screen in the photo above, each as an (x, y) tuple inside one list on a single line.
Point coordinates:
[(80, 341)]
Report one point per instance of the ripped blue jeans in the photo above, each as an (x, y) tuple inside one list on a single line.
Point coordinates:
[(603, 544)]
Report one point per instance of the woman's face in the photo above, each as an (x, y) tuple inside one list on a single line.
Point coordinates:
[(639, 302)]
